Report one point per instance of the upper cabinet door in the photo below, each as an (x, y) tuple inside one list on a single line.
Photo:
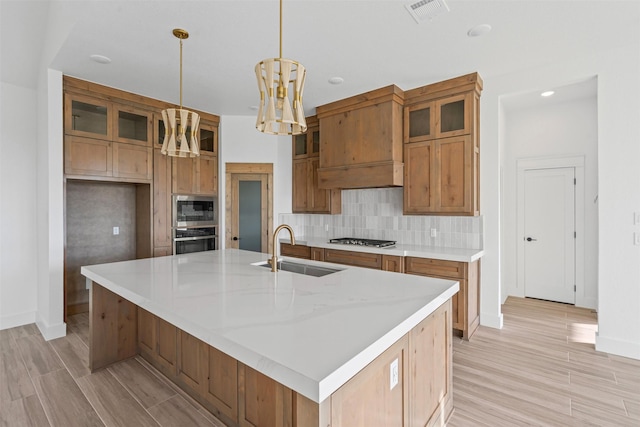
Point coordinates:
[(300, 146), (132, 126), (208, 139), (453, 116), (313, 141), (88, 117), (419, 122)]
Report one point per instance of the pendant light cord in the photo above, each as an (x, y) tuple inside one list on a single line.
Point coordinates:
[(181, 74)]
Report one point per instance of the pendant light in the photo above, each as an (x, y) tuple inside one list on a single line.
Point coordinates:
[(180, 125), (281, 83)]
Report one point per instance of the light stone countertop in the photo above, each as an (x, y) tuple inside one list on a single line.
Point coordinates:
[(448, 254), (311, 334)]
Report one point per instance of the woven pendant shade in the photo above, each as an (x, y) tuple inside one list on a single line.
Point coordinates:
[(281, 83)]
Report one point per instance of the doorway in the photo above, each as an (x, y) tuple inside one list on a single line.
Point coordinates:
[(550, 220), (249, 201)]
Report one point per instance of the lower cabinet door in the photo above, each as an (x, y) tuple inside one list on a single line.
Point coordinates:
[(191, 362), (167, 348), (263, 401), (221, 385)]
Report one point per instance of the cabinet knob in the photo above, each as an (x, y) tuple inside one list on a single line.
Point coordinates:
[(530, 239), (234, 238)]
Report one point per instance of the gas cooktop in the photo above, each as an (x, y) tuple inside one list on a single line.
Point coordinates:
[(363, 242)]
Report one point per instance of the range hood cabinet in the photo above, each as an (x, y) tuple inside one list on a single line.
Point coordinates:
[(361, 141)]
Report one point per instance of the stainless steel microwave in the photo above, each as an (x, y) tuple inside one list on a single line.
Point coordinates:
[(194, 211)]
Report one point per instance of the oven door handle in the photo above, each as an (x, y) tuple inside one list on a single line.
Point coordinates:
[(187, 239)]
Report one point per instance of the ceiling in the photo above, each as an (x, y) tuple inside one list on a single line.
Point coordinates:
[(369, 44)]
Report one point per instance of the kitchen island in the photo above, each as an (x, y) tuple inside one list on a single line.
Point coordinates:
[(354, 347)]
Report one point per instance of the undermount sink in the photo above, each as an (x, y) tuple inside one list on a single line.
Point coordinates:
[(294, 267)]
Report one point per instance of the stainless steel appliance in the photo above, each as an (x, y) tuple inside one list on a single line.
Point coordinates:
[(199, 239), (194, 211), (364, 242)]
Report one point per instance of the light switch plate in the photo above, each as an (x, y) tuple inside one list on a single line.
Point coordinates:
[(636, 218), (434, 232), (393, 374), (636, 238), (116, 231)]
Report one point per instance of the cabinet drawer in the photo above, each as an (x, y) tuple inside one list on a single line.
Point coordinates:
[(358, 259), (436, 267), (297, 251)]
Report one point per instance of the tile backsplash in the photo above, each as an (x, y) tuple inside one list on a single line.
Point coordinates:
[(377, 214)]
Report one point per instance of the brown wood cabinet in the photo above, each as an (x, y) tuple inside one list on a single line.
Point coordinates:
[(466, 303), (241, 396), (361, 140), (205, 373), (308, 197), (358, 259), (198, 175), (441, 151), (162, 239), (296, 251)]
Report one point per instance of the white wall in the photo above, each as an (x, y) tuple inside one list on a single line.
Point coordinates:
[(618, 73), (18, 245), (50, 207), (552, 131), (240, 142)]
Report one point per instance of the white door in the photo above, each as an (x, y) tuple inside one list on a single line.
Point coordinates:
[(549, 234)]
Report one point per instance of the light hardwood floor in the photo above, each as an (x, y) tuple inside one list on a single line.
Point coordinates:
[(541, 369)]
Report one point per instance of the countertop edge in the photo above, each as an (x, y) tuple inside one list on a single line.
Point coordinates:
[(445, 254)]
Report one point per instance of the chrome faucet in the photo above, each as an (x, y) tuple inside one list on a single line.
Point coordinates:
[(274, 258)]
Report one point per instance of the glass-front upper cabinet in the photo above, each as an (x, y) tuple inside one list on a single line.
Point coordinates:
[(132, 126), (86, 116), (307, 144), (208, 139), (453, 115), (441, 118)]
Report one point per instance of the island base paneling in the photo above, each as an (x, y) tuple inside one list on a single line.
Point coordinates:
[(239, 395)]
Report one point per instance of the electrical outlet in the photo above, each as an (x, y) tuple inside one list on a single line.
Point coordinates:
[(326, 227), (636, 218), (434, 232), (636, 238), (393, 374), (116, 231)]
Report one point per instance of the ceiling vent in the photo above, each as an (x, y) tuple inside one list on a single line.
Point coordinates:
[(426, 10)]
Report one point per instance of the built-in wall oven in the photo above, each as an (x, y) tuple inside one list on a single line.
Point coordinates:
[(196, 239), (194, 211), (195, 222)]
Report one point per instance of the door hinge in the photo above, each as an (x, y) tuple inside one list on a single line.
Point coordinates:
[(574, 288), (575, 235), (574, 181)]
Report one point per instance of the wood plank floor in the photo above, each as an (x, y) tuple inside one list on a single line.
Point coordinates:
[(541, 369)]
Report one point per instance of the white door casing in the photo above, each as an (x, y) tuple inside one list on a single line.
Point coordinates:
[(549, 230), (551, 270)]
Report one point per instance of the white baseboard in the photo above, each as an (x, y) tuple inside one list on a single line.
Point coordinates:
[(618, 347), (19, 319), (50, 332), (491, 320), (591, 303)]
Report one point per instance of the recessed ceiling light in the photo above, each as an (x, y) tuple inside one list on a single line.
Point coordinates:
[(100, 59), (547, 93), (479, 30), (336, 80)]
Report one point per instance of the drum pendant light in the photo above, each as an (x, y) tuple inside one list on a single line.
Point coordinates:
[(180, 125), (281, 83)]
